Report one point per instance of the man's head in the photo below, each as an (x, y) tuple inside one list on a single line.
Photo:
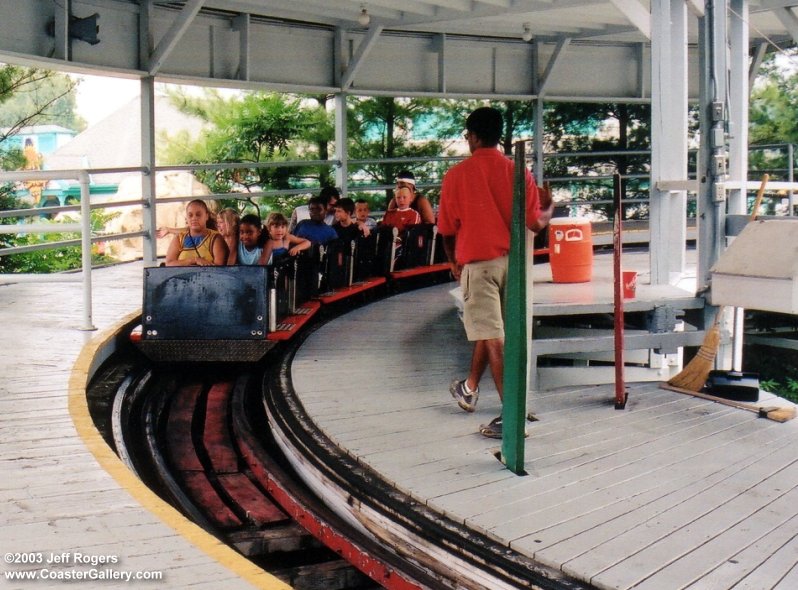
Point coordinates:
[(406, 179), (484, 128), (317, 209), (330, 194)]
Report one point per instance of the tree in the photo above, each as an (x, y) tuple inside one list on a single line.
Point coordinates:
[(388, 127), (253, 127), (32, 96), (772, 118), (582, 127)]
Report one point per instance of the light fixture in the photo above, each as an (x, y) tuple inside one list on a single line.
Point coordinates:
[(364, 18), (527, 34)]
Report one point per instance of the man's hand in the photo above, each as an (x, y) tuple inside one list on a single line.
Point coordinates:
[(544, 193), (546, 208)]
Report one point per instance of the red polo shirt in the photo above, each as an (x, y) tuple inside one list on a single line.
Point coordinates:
[(476, 205)]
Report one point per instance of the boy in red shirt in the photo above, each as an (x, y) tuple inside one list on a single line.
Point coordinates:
[(403, 215)]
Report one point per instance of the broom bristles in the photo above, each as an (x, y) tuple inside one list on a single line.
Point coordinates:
[(694, 375)]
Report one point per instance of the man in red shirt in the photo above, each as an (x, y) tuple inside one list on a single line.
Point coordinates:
[(474, 220)]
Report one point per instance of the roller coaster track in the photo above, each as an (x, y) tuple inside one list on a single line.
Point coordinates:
[(200, 439)]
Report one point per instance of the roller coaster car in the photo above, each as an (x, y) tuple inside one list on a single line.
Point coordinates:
[(223, 314), (415, 251), (238, 313), (205, 313)]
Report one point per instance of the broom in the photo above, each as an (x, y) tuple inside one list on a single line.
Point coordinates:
[(694, 375)]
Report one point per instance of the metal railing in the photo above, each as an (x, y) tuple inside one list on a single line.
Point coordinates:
[(86, 206), (84, 228)]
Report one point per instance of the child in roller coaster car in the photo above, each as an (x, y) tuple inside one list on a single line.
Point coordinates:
[(402, 217), (250, 241), (345, 226), (280, 242), (315, 229), (198, 244)]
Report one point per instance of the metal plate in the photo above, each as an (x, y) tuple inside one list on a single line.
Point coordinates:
[(205, 303)]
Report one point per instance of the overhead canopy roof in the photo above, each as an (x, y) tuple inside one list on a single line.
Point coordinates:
[(614, 20), (579, 49)]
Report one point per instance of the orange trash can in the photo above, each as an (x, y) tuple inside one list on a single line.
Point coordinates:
[(570, 250)]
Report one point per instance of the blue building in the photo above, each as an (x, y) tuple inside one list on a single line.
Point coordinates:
[(46, 138)]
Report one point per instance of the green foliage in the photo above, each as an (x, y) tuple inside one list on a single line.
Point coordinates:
[(58, 258), (773, 105), (788, 390), (382, 127), (579, 127), (31, 96), (10, 159), (254, 127)]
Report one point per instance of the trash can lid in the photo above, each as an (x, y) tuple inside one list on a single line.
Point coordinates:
[(569, 221)]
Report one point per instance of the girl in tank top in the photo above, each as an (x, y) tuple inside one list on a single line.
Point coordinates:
[(197, 245), (280, 242)]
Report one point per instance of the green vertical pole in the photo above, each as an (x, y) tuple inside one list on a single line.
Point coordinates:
[(515, 344)]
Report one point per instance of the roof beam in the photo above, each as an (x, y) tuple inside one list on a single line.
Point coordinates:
[(360, 55), (474, 11), (556, 57), (789, 20), (696, 7), (173, 35), (636, 14), (756, 63)]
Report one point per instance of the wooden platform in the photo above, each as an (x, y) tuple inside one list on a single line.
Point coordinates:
[(54, 496), (672, 492)]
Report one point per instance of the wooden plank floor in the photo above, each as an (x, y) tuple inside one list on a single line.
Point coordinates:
[(54, 497), (672, 492)]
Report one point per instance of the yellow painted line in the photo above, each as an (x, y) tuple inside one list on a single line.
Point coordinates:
[(79, 410)]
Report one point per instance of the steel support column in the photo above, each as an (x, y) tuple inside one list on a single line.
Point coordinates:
[(148, 193), (713, 154), (738, 104), (668, 215), (515, 327), (341, 151)]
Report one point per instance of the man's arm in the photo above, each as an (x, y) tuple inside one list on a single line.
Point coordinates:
[(546, 209), (449, 247)]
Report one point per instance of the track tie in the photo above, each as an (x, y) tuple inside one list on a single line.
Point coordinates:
[(259, 509), (285, 538)]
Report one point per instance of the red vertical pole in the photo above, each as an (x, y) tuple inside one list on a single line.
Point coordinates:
[(620, 385)]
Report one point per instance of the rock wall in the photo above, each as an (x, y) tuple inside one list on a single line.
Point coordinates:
[(167, 184)]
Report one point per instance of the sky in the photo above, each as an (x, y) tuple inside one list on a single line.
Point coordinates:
[(99, 96)]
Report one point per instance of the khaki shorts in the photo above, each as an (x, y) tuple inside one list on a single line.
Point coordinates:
[(483, 298)]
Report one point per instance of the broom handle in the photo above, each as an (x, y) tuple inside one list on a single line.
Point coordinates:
[(759, 194)]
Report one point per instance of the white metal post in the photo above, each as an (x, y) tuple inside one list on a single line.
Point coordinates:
[(148, 186), (668, 215), (341, 149), (85, 254)]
